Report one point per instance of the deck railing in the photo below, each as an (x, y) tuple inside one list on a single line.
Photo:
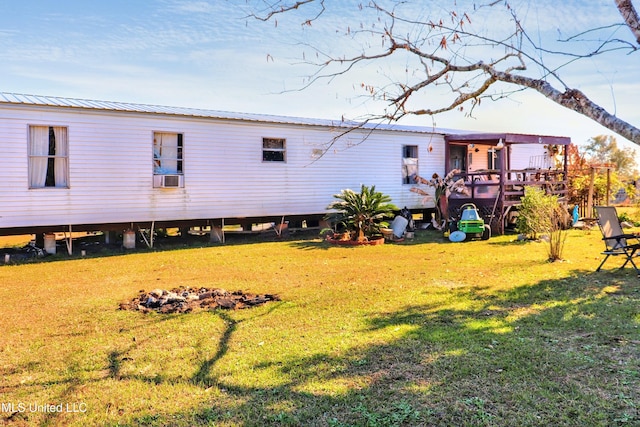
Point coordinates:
[(489, 184)]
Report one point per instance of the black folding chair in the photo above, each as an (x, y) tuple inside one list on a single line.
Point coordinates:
[(615, 240)]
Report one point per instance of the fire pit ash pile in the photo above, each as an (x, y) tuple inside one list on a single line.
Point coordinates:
[(184, 300)]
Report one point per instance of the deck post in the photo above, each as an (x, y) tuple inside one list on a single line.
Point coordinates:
[(590, 196), (565, 167), (606, 202), (500, 195), (446, 157)]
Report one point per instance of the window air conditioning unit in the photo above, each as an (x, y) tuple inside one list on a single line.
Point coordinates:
[(168, 181)]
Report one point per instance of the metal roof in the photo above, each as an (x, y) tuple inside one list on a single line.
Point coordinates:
[(86, 104)]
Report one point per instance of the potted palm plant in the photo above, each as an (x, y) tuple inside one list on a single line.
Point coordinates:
[(361, 214)]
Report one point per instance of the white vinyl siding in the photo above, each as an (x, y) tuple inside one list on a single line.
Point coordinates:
[(110, 156)]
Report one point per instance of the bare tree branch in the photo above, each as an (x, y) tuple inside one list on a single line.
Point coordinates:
[(430, 43), (283, 6), (577, 101), (630, 17)]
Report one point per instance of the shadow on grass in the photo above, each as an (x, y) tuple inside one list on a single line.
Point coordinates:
[(96, 249), (203, 376), (422, 237), (556, 352), (309, 245)]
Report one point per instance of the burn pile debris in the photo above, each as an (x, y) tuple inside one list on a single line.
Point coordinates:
[(185, 300)]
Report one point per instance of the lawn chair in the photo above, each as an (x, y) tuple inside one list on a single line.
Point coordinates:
[(615, 240)]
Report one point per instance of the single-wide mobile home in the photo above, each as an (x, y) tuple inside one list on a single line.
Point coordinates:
[(95, 165)]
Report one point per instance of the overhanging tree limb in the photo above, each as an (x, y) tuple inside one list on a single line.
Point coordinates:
[(630, 16), (577, 101), (431, 42)]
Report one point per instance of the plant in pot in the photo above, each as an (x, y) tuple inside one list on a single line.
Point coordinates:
[(360, 214)]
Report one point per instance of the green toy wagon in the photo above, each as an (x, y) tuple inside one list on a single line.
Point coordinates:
[(470, 225)]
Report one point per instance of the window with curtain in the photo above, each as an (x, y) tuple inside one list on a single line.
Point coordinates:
[(48, 157), (409, 163), (167, 153)]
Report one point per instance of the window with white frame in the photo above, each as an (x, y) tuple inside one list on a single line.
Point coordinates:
[(168, 159), (409, 163), (167, 153), (493, 158), (48, 157), (274, 150)]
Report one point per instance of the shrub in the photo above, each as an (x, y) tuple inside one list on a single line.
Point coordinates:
[(541, 213), (631, 219)]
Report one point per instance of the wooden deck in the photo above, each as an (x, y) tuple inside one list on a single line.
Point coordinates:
[(496, 194)]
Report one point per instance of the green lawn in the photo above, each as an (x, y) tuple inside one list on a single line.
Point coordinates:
[(483, 333)]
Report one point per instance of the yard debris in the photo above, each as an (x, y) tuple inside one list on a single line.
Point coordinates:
[(29, 251), (186, 300)]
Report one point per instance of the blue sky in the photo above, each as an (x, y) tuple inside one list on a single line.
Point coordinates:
[(206, 54)]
